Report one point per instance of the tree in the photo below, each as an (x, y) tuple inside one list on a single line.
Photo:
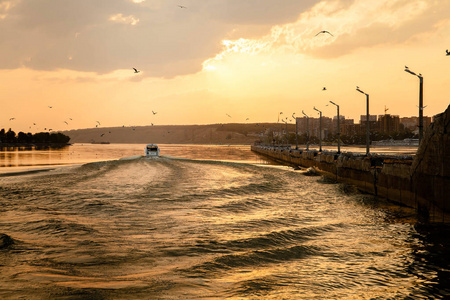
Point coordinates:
[(10, 136)]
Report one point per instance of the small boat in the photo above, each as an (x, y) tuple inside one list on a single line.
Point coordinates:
[(151, 150)]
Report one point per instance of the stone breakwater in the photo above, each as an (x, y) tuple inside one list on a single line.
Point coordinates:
[(421, 181)]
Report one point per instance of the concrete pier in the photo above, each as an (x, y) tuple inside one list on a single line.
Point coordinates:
[(421, 181)]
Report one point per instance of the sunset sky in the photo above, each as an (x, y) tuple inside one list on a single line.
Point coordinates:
[(212, 58)]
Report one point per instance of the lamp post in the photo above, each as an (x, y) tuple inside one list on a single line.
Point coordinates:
[(286, 130), (420, 102), (338, 128), (367, 121), (320, 129), (296, 132), (307, 130)]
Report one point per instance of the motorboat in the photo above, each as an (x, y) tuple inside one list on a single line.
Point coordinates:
[(152, 150)]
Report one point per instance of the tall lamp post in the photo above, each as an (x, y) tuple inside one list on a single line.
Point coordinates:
[(420, 102), (286, 131), (367, 121), (296, 132), (320, 129), (338, 128), (307, 130)]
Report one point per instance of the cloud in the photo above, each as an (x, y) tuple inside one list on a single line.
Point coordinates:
[(119, 18), (354, 24), (155, 36)]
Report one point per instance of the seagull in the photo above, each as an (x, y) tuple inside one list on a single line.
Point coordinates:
[(181, 6), (98, 122), (50, 107), (228, 115), (154, 112), (102, 134), (247, 119), (66, 122), (324, 89), (324, 31), (406, 67), (11, 119), (135, 70), (447, 52)]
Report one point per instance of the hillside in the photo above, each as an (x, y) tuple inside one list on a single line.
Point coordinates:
[(174, 134)]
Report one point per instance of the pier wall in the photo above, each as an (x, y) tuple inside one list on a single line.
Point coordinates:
[(385, 176)]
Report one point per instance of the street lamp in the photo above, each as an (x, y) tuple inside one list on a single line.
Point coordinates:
[(367, 121), (338, 128), (296, 132), (320, 129), (420, 102), (286, 133), (307, 131)]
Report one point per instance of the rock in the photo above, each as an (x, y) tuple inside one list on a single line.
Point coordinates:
[(430, 169), (311, 172), (5, 241)]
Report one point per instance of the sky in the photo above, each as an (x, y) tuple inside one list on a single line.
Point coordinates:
[(67, 64)]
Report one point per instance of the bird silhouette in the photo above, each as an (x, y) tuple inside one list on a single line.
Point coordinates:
[(228, 115), (66, 122), (154, 112), (447, 52), (102, 134), (98, 122), (324, 89), (406, 67), (181, 6), (50, 107), (11, 119), (324, 31), (135, 70)]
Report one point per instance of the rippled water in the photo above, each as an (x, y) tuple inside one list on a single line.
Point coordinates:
[(177, 228)]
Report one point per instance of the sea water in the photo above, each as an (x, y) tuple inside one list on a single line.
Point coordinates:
[(208, 222)]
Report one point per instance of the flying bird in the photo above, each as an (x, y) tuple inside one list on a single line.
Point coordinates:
[(102, 134), (324, 31), (228, 115), (135, 70), (154, 112), (447, 52), (181, 6), (66, 122), (11, 119), (324, 89), (50, 107), (98, 122)]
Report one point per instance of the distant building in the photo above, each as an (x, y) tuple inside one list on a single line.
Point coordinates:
[(412, 123), (314, 126), (388, 123)]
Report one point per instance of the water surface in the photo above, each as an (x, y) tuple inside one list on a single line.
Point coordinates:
[(180, 228)]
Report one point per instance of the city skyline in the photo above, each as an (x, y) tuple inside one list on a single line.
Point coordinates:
[(68, 65)]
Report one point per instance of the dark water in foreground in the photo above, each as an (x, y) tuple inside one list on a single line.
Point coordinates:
[(172, 228)]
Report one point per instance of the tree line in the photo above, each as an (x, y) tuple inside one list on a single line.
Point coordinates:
[(10, 137)]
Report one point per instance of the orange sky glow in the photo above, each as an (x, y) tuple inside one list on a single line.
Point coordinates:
[(67, 66)]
